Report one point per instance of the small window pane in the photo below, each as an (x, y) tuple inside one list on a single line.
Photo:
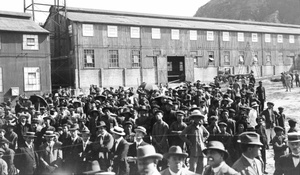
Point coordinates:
[(210, 36), (254, 37), (155, 33), (89, 58), (112, 31), (225, 36), (175, 34), (180, 66), (193, 35), (291, 39), (136, 60), (279, 38), (226, 58), (170, 68), (113, 58), (32, 78), (240, 37), (30, 42), (87, 29)]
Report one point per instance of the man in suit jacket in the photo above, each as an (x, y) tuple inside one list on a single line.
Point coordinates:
[(26, 159), (289, 164), (120, 150), (86, 157), (176, 159), (140, 132), (270, 121), (216, 155), (247, 164), (50, 158), (261, 94)]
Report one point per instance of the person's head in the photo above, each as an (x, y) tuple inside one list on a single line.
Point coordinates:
[(225, 115), (292, 123), (85, 134), (280, 109), (4, 143), (101, 128), (140, 132), (223, 127), (260, 120), (278, 130), (117, 132), (240, 127), (169, 105), (23, 118), (175, 158), (294, 142), (147, 159), (29, 137), (49, 136), (260, 83), (65, 128), (180, 115), (143, 111), (215, 153), (270, 105), (159, 115), (197, 117), (74, 131), (250, 144)]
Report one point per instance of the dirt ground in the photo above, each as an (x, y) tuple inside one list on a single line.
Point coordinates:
[(290, 101)]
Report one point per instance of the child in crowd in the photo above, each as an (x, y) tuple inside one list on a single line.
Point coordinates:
[(279, 144), (292, 124)]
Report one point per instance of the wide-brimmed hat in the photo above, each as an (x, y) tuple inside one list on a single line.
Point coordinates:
[(175, 151), (216, 145), (49, 134), (196, 113), (101, 124), (118, 130), (30, 134), (294, 137), (147, 151), (250, 138), (141, 129), (278, 128), (222, 124), (77, 102)]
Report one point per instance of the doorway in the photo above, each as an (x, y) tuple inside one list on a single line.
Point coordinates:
[(176, 69)]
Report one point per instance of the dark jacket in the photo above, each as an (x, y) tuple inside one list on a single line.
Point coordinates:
[(26, 160), (120, 164), (286, 166)]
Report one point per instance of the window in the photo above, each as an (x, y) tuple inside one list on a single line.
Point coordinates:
[(113, 58), (194, 55), (211, 58), (226, 58), (156, 53), (180, 66), (170, 68), (32, 78), (279, 38), (291, 39), (89, 58), (268, 58), (87, 30), (155, 33), (136, 58), (280, 58), (1, 80), (112, 31), (225, 36), (193, 35), (240, 37), (267, 38), (254, 37), (175, 34), (30, 42), (210, 36), (134, 32), (241, 57)]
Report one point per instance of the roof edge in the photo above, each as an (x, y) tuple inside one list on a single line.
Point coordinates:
[(15, 14)]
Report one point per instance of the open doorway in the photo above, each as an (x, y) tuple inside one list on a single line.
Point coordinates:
[(176, 69)]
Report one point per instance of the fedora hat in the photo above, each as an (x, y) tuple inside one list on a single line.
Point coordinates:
[(216, 145), (141, 129), (30, 134), (49, 134), (196, 113), (118, 130), (250, 138), (147, 151), (101, 124), (294, 137), (175, 151)]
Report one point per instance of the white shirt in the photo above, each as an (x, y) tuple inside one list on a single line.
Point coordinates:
[(172, 173), (217, 169), (252, 117), (296, 160)]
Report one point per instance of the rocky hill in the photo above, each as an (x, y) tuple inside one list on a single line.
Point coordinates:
[(276, 11)]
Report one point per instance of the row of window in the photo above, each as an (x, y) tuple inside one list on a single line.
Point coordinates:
[(29, 42), (31, 79), (112, 31)]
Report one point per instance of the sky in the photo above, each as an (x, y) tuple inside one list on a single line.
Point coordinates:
[(164, 7)]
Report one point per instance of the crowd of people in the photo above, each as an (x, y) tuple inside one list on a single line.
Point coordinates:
[(193, 128)]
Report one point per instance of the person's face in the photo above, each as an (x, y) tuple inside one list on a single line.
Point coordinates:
[(4, 146), (49, 139), (73, 133), (168, 107), (176, 163), (85, 136), (146, 166), (2, 134), (128, 128), (144, 113), (223, 128), (255, 150), (241, 128), (198, 120), (159, 116), (65, 129), (23, 119), (295, 147), (101, 130), (214, 158), (139, 135), (29, 140), (180, 117)]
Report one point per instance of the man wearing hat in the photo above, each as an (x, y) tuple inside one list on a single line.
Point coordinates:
[(140, 132), (289, 164), (292, 124), (26, 159), (216, 155), (176, 159), (248, 163), (270, 120), (120, 151), (3, 164), (280, 117), (50, 157), (147, 159), (194, 136), (176, 128), (21, 129), (101, 147), (261, 94), (253, 114), (279, 144), (169, 114), (9, 156)]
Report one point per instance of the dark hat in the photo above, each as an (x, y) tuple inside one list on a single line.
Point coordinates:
[(175, 151), (128, 123), (294, 137), (169, 102), (85, 130), (280, 108), (270, 103), (250, 138), (141, 129), (292, 121), (30, 134), (77, 102), (147, 151), (278, 128), (117, 130), (74, 127), (216, 145), (143, 108), (101, 124), (106, 107), (180, 112), (126, 111), (260, 82), (49, 134), (222, 124), (237, 97), (196, 113)]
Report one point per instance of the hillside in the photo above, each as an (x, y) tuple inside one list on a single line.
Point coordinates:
[(276, 11)]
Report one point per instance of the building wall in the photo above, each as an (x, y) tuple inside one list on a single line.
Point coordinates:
[(14, 59)]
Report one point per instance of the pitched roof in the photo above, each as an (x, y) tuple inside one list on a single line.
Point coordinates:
[(19, 22), (151, 20)]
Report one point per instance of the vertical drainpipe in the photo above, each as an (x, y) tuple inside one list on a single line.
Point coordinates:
[(141, 70), (77, 57), (219, 50), (262, 52)]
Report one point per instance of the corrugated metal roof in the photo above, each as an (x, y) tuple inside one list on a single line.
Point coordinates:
[(137, 19), (19, 23)]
